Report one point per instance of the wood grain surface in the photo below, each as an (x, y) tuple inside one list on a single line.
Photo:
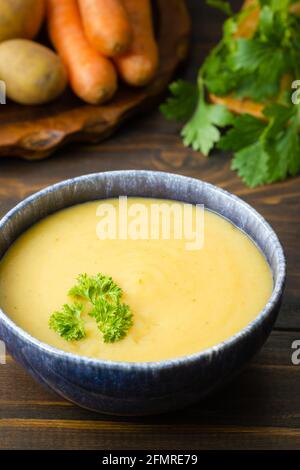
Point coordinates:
[(261, 407)]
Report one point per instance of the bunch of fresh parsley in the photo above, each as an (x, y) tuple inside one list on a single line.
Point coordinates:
[(113, 317), (264, 150)]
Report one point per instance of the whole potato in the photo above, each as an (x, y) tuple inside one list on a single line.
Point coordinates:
[(33, 74), (20, 18)]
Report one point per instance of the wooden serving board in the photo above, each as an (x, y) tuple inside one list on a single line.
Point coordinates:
[(34, 132)]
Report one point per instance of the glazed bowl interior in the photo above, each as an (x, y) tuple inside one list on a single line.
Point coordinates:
[(153, 185)]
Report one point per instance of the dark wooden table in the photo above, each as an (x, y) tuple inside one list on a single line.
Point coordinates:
[(261, 408)]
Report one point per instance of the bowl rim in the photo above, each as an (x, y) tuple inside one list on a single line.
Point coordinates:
[(207, 353)]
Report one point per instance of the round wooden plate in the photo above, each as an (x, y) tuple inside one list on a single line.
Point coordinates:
[(34, 132)]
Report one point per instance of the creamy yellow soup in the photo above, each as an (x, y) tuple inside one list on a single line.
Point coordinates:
[(183, 300)]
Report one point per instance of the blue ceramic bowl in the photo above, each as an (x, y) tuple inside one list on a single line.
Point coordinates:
[(125, 388)]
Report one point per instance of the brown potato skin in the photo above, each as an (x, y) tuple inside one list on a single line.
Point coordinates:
[(35, 75), (21, 18)]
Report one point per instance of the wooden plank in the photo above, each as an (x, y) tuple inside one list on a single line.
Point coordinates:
[(256, 398), (42, 436), (264, 396)]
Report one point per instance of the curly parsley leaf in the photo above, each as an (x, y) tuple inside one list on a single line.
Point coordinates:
[(113, 319), (93, 287), (68, 322)]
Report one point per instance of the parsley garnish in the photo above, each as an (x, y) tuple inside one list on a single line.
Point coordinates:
[(265, 150), (93, 287), (113, 317), (68, 322)]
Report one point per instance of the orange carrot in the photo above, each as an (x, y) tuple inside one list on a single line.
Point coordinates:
[(239, 105), (106, 25), (92, 77), (139, 64), (248, 23)]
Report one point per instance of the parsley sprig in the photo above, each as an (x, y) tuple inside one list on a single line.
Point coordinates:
[(93, 287), (264, 150), (114, 318), (68, 322)]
